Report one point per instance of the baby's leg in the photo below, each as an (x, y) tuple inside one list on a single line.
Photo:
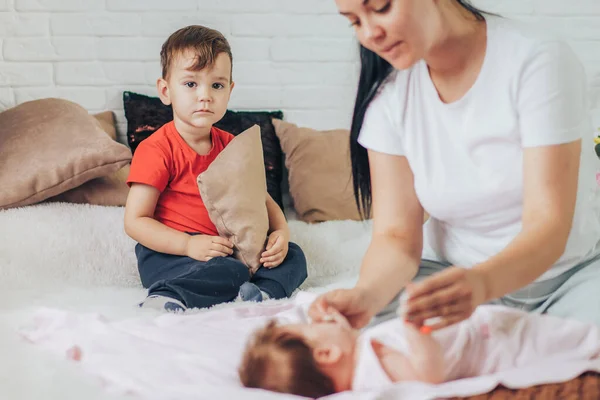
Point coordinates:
[(546, 336), (517, 339), (425, 363)]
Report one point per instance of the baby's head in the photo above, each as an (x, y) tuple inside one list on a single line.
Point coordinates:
[(311, 360), (196, 75)]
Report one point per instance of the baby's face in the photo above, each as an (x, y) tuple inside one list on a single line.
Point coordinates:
[(336, 331)]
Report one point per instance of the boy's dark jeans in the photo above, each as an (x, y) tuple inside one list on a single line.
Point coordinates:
[(204, 284)]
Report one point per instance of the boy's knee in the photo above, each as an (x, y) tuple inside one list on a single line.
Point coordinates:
[(296, 255), (295, 250)]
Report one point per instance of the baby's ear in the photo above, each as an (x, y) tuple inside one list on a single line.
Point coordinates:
[(327, 355)]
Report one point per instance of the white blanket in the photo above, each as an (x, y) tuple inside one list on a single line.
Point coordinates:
[(80, 245), (78, 258), (167, 357), (196, 356)]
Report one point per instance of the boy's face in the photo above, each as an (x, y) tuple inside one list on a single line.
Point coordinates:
[(199, 98)]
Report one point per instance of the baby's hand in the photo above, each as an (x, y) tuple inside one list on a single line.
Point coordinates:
[(205, 247), (424, 362), (426, 354), (277, 249)]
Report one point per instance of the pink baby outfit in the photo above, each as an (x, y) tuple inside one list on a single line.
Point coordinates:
[(494, 339)]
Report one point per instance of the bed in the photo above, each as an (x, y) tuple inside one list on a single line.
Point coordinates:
[(77, 258), (585, 387)]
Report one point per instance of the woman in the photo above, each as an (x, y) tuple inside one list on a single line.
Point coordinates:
[(479, 121)]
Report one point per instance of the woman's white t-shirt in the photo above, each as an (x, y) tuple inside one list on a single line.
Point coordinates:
[(467, 156)]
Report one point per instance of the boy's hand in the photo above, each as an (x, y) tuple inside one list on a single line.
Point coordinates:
[(277, 249), (204, 247)]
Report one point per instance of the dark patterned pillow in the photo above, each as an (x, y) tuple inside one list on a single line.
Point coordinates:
[(146, 114)]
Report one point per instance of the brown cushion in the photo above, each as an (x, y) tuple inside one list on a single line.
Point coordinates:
[(111, 190), (320, 174), (107, 122), (234, 191), (50, 146)]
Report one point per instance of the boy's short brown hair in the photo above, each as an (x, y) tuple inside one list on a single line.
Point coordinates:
[(206, 43), (280, 361)]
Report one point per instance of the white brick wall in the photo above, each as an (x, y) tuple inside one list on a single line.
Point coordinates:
[(298, 56)]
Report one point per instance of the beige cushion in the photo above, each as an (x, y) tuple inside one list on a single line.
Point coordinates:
[(234, 191), (111, 190), (50, 146), (320, 173), (107, 122)]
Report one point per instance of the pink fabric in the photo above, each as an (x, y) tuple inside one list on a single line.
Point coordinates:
[(195, 356), (177, 357), (496, 344)]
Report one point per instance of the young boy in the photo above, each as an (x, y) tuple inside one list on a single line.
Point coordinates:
[(319, 359), (181, 258)]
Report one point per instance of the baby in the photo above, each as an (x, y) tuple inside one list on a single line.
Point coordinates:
[(319, 359)]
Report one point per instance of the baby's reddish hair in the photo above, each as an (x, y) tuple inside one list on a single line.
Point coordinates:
[(280, 361)]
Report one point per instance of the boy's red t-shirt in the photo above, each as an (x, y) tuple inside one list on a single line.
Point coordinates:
[(165, 161)]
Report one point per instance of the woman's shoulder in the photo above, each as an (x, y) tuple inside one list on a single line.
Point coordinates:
[(519, 40), (525, 31)]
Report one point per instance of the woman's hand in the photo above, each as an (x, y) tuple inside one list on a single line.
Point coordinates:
[(451, 295), (356, 304)]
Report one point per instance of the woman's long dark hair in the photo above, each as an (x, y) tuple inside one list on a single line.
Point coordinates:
[(373, 73)]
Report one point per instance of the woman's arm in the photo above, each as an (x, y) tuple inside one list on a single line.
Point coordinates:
[(549, 195), (394, 254), (552, 113)]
